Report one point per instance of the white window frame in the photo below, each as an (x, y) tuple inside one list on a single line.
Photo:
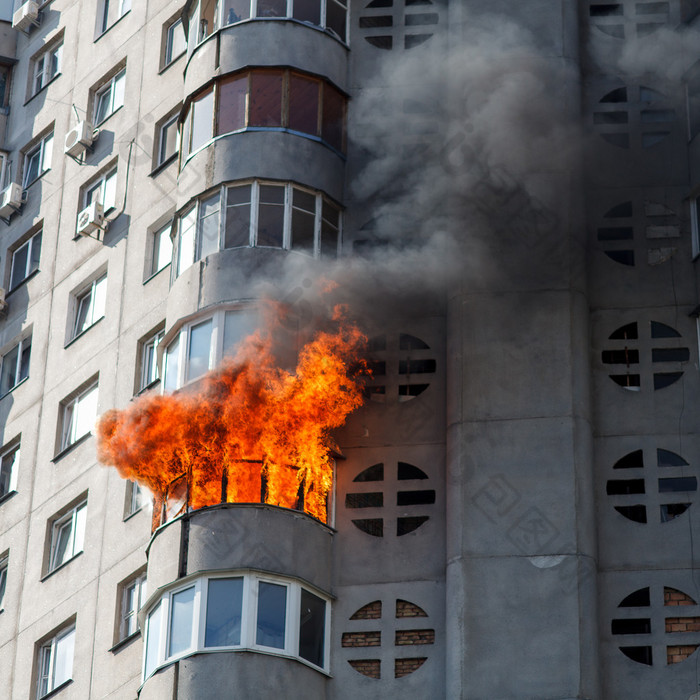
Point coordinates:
[(72, 418), (47, 655), (135, 499), (24, 345), (10, 451), (4, 564), (157, 237), (30, 244), (42, 151), (103, 190), (169, 43), (160, 156), (150, 368), (46, 66), (216, 344), (123, 7), (111, 90), (94, 295), (128, 613), (75, 519), (249, 616)]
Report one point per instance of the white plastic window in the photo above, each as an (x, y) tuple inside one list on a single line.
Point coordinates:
[(79, 416), (110, 97), (25, 260), (56, 661), (67, 536), (149, 360), (162, 250), (103, 191), (9, 462), (90, 306), (176, 42), (37, 160), (46, 67), (15, 365), (133, 595)]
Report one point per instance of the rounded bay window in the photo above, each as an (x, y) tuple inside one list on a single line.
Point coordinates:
[(257, 214), (275, 99)]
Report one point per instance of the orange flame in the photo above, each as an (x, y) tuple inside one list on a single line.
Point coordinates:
[(251, 428)]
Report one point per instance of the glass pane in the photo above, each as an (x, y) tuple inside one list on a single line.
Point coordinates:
[(308, 11), (237, 326), (271, 216), (63, 668), (186, 243), (79, 536), (237, 217), (172, 361), (61, 540), (163, 249), (272, 8), (236, 10), (99, 299), (168, 141), (233, 98), (47, 151), (181, 616), (36, 253), (202, 116), (198, 356), (312, 627), (32, 168), (44, 670), (6, 467), (176, 41), (303, 220), (102, 109), (333, 117), (85, 413), (3, 581), (152, 640), (209, 226), (224, 605), (303, 104), (118, 90), (82, 318), (19, 265), (335, 18), (265, 98), (329, 231), (272, 605), (186, 134), (9, 370), (24, 360)]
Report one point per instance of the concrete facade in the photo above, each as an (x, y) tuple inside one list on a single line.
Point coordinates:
[(513, 513)]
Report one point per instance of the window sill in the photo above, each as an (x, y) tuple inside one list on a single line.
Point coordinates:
[(36, 179), (43, 87), (22, 283), (111, 114), (125, 642), (156, 273), (148, 387), (82, 333), (114, 24), (19, 383), (70, 447), (7, 497), (163, 165), (57, 689), (172, 62), (53, 571), (129, 517)]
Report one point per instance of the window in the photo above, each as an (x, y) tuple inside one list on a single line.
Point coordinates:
[(111, 11), (239, 611), (258, 213), (161, 249), (167, 140), (150, 372), (37, 160), (9, 462), (132, 596), (135, 499), (103, 191), (78, 416), (3, 579), (55, 661), (5, 82), (15, 365), (90, 306), (270, 98), (200, 345), (46, 66), (67, 536), (25, 260), (175, 41), (110, 97)]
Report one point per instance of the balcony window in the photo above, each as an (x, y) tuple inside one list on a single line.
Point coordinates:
[(258, 213), (200, 346), (236, 612), (270, 98)]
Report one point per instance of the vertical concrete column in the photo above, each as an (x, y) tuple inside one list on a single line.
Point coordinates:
[(521, 568)]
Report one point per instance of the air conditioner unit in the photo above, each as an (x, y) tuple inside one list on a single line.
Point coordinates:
[(78, 139), (90, 219), (10, 200), (26, 15)]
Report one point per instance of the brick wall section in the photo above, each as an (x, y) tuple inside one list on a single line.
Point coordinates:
[(406, 609), (405, 637), (683, 624), (371, 611), (362, 639), (402, 667), (679, 653), (674, 597), (368, 667)]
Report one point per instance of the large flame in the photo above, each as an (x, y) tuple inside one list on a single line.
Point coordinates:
[(252, 428)]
